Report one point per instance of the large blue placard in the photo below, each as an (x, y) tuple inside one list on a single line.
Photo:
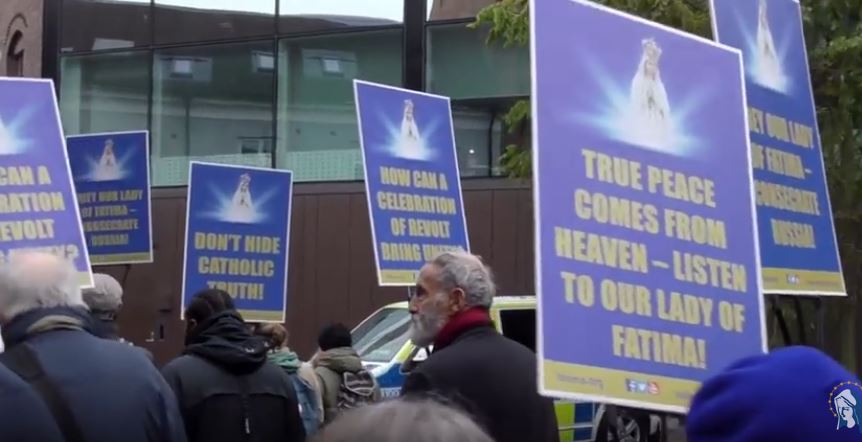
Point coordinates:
[(38, 207), (411, 177), (798, 248), (112, 179), (237, 237), (646, 244)]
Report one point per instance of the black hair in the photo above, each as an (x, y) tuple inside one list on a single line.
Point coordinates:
[(207, 303), (334, 336)]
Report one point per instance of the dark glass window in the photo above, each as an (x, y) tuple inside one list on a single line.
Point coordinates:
[(92, 25), (211, 103), (461, 65), (200, 20), (519, 326), (317, 131), (104, 92)]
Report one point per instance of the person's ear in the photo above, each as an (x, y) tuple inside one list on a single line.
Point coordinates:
[(457, 301)]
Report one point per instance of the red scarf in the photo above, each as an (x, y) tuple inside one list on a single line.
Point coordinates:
[(461, 322)]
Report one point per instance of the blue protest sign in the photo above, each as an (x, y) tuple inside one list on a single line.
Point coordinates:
[(798, 247), (238, 237), (112, 179), (38, 208), (646, 242), (411, 178)]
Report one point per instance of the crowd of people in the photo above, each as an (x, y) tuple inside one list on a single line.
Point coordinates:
[(65, 374)]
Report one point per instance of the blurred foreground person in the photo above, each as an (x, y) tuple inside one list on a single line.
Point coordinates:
[(489, 375), (404, 420), (60, 376), (226, 388), (795, 394), (345, 383), (105, 300), (305, 382)]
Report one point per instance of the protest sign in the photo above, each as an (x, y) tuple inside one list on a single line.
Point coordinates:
[(38, 206), (646, 245), (798, 247), (112, 180), (237, 237), (411, 179)]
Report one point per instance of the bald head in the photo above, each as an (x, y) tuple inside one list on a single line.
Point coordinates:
[(32, 280)]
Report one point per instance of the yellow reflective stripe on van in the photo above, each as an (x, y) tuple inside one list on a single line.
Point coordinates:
[(565, 420)]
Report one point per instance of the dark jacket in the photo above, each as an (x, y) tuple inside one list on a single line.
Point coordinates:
[(114, 392), (108, 330), (494, 379), (330, 366), (221, 360)]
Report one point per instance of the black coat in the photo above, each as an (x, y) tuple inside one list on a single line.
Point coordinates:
[(221, 360), (494, 379), (113, 391)]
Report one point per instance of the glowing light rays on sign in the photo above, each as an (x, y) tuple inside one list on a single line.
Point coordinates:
[(619, 113), (241, 206), (12, 142), (405, 139)]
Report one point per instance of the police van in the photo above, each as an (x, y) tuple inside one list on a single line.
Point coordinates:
[(383, 343)]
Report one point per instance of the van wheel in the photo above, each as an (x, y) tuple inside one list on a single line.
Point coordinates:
[(634, 426)]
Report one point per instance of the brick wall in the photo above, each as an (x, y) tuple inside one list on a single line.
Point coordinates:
[(24, 16)]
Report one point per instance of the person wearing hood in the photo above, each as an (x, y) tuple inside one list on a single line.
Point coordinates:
[(105, 300), (226, 388), (794, 394), (345, 383), (57, 377), (305, 382)]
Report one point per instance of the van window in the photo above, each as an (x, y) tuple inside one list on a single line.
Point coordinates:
[(520, 326), (380, 337)]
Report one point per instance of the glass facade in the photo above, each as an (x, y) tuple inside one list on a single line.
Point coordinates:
[(103, 25), (318, 135), (269, 83), (105, 92)]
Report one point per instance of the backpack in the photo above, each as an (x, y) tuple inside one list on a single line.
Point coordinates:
[(307, 404), (356, 390)]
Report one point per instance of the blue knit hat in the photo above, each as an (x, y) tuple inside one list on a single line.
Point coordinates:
[(796, 394)]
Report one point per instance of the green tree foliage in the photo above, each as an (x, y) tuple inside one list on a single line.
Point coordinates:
[(833, 31)]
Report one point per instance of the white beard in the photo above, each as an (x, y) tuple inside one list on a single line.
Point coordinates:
[(650, 110), (424, 328)]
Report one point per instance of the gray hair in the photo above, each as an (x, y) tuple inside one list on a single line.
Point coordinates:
[(105, 296), (460, 269), (397, 420), (33, 280)]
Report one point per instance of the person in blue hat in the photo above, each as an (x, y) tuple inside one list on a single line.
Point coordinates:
[(794, 394)]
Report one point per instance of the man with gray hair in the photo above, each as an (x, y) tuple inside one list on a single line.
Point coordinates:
[(94, 389), (489, 375)]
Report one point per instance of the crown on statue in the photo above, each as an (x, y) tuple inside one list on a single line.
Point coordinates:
[(651, 49)]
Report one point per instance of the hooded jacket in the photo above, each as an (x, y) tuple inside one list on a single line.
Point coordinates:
[(290, 363), (227, 390), (330, 366), (113, 391), (788, 395)]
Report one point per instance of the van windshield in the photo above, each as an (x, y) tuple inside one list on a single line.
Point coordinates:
[(381, 337)]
